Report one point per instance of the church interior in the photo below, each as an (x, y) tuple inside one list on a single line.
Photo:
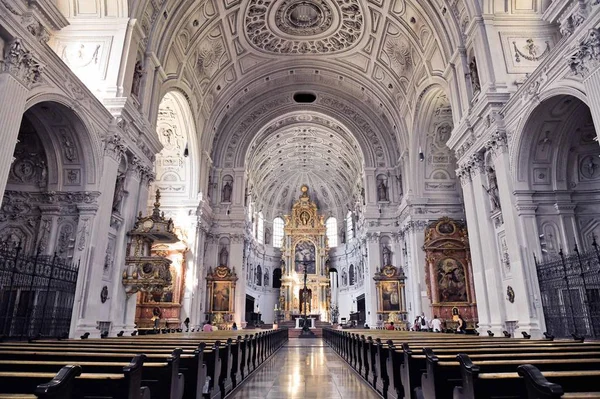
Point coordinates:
[(296, 167)]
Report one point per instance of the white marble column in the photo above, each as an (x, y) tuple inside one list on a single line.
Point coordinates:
[(19, 70), (418, 301), (373, 262), (477, 254), (236, 256), (93, 234), (489, 247), (522, 269)]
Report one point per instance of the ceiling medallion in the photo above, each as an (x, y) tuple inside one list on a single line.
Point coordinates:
[(304, 26)]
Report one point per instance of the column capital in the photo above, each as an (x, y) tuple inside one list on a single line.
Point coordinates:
[(464, 174), (475, 164), (585, 59), (497, 144), (114, 147), (21, 64)]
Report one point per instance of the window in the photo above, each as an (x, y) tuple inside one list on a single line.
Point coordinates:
[(260, 233), (332, 236), (277, 232), (349, 226)]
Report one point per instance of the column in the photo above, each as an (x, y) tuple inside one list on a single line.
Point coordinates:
[(373, 263), (92, 235), (522, 267), (415, 238), (489, 247), (477, 254), (122, 307), (568, 225), (236, 257), (19, 71)]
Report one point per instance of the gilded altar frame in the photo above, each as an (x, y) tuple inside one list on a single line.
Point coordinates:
[(391, 297), (220, 288)]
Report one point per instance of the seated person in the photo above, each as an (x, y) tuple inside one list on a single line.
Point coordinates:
[(390, 326), (207, 327)]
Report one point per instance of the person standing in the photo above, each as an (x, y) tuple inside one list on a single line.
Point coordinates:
[(207, 327), (186, 323), (436, 324), (390, 326), (462, 325)]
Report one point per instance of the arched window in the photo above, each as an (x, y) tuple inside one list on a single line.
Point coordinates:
[(332, 236), (260, 233), (349, 226), (278, 232)]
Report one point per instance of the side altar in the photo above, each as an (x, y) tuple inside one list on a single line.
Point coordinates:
[(305, 247)]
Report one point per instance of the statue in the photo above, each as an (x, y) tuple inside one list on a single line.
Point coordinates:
[(387, 256), (475, 83), (227, 189), (138, 73), (223, 257), (266, 279), (382, 194), (119, 191), (493, 189)]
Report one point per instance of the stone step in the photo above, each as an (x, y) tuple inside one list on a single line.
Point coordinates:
[(295, 332)]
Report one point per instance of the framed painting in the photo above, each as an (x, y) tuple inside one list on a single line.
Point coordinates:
[(389, 296), (305, 255), (222, 297)]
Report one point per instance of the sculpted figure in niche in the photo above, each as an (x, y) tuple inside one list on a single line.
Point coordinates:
[(493, 189), (387, 256), (227, 189), (266, 279), (223, 257), (138, 73), (475, 83), (382, 191), (119, 192)]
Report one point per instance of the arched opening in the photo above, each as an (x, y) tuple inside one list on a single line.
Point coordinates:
[(277, 277), (43, 221), (558, 172)]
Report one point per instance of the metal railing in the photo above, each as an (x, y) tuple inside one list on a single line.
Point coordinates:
[(37, 293), (570, 292)]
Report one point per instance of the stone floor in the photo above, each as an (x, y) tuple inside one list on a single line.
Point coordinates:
[(304, 368)]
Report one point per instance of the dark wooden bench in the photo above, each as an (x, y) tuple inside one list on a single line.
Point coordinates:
[(509, 384), (538, 387)]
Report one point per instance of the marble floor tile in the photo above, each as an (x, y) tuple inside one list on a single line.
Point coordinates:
[(308, 369)]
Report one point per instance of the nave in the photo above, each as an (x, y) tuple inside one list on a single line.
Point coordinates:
[(305, 368)]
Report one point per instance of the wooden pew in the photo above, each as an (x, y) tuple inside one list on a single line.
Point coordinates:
[(70, 382), (573, 377), (538, 387)]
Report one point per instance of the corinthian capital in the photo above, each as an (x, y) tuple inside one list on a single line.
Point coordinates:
[(464, 174), (21, 64), (497, 144), (586, 57), (114, 147), (475, 164)]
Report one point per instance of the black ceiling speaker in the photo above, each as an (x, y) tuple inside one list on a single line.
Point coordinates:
[(421, 155), (186, 152)]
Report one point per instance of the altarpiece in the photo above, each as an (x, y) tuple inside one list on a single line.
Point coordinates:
[(304, 247)]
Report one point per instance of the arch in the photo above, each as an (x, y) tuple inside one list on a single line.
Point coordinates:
[(277, 277), (87, 150)]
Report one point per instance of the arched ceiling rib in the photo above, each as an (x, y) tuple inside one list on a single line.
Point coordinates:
[(279, 161)]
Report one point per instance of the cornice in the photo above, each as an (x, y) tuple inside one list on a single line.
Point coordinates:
[(50, 12)]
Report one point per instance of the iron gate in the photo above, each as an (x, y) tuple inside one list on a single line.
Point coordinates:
[(570, 291), (36, 293)]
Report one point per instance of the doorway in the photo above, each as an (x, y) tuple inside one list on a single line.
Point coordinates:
[(360, 307), (249, 307)]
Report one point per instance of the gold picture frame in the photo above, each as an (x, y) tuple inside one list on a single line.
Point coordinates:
[(222, 297), (390, 296)]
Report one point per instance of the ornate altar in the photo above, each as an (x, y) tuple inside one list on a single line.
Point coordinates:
[(448, 271), (168, 302), (143, 272), (391, 298), (304, 246), (220, 286)]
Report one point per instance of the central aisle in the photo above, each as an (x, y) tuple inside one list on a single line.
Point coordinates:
[(305, 368)]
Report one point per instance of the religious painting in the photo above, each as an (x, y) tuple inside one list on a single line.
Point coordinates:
[(305, 256), (221, 300), (451, 281), (390, 296)]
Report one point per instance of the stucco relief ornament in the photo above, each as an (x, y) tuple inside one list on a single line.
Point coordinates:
[(304, 26), (21, 64), (587, 56), (114, 147)]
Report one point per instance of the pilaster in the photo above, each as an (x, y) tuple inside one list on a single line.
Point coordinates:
[(417, 300), (19, 71), (373, 263), (236, 256)]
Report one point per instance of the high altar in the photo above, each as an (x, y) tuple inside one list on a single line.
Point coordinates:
[(305, 246)]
